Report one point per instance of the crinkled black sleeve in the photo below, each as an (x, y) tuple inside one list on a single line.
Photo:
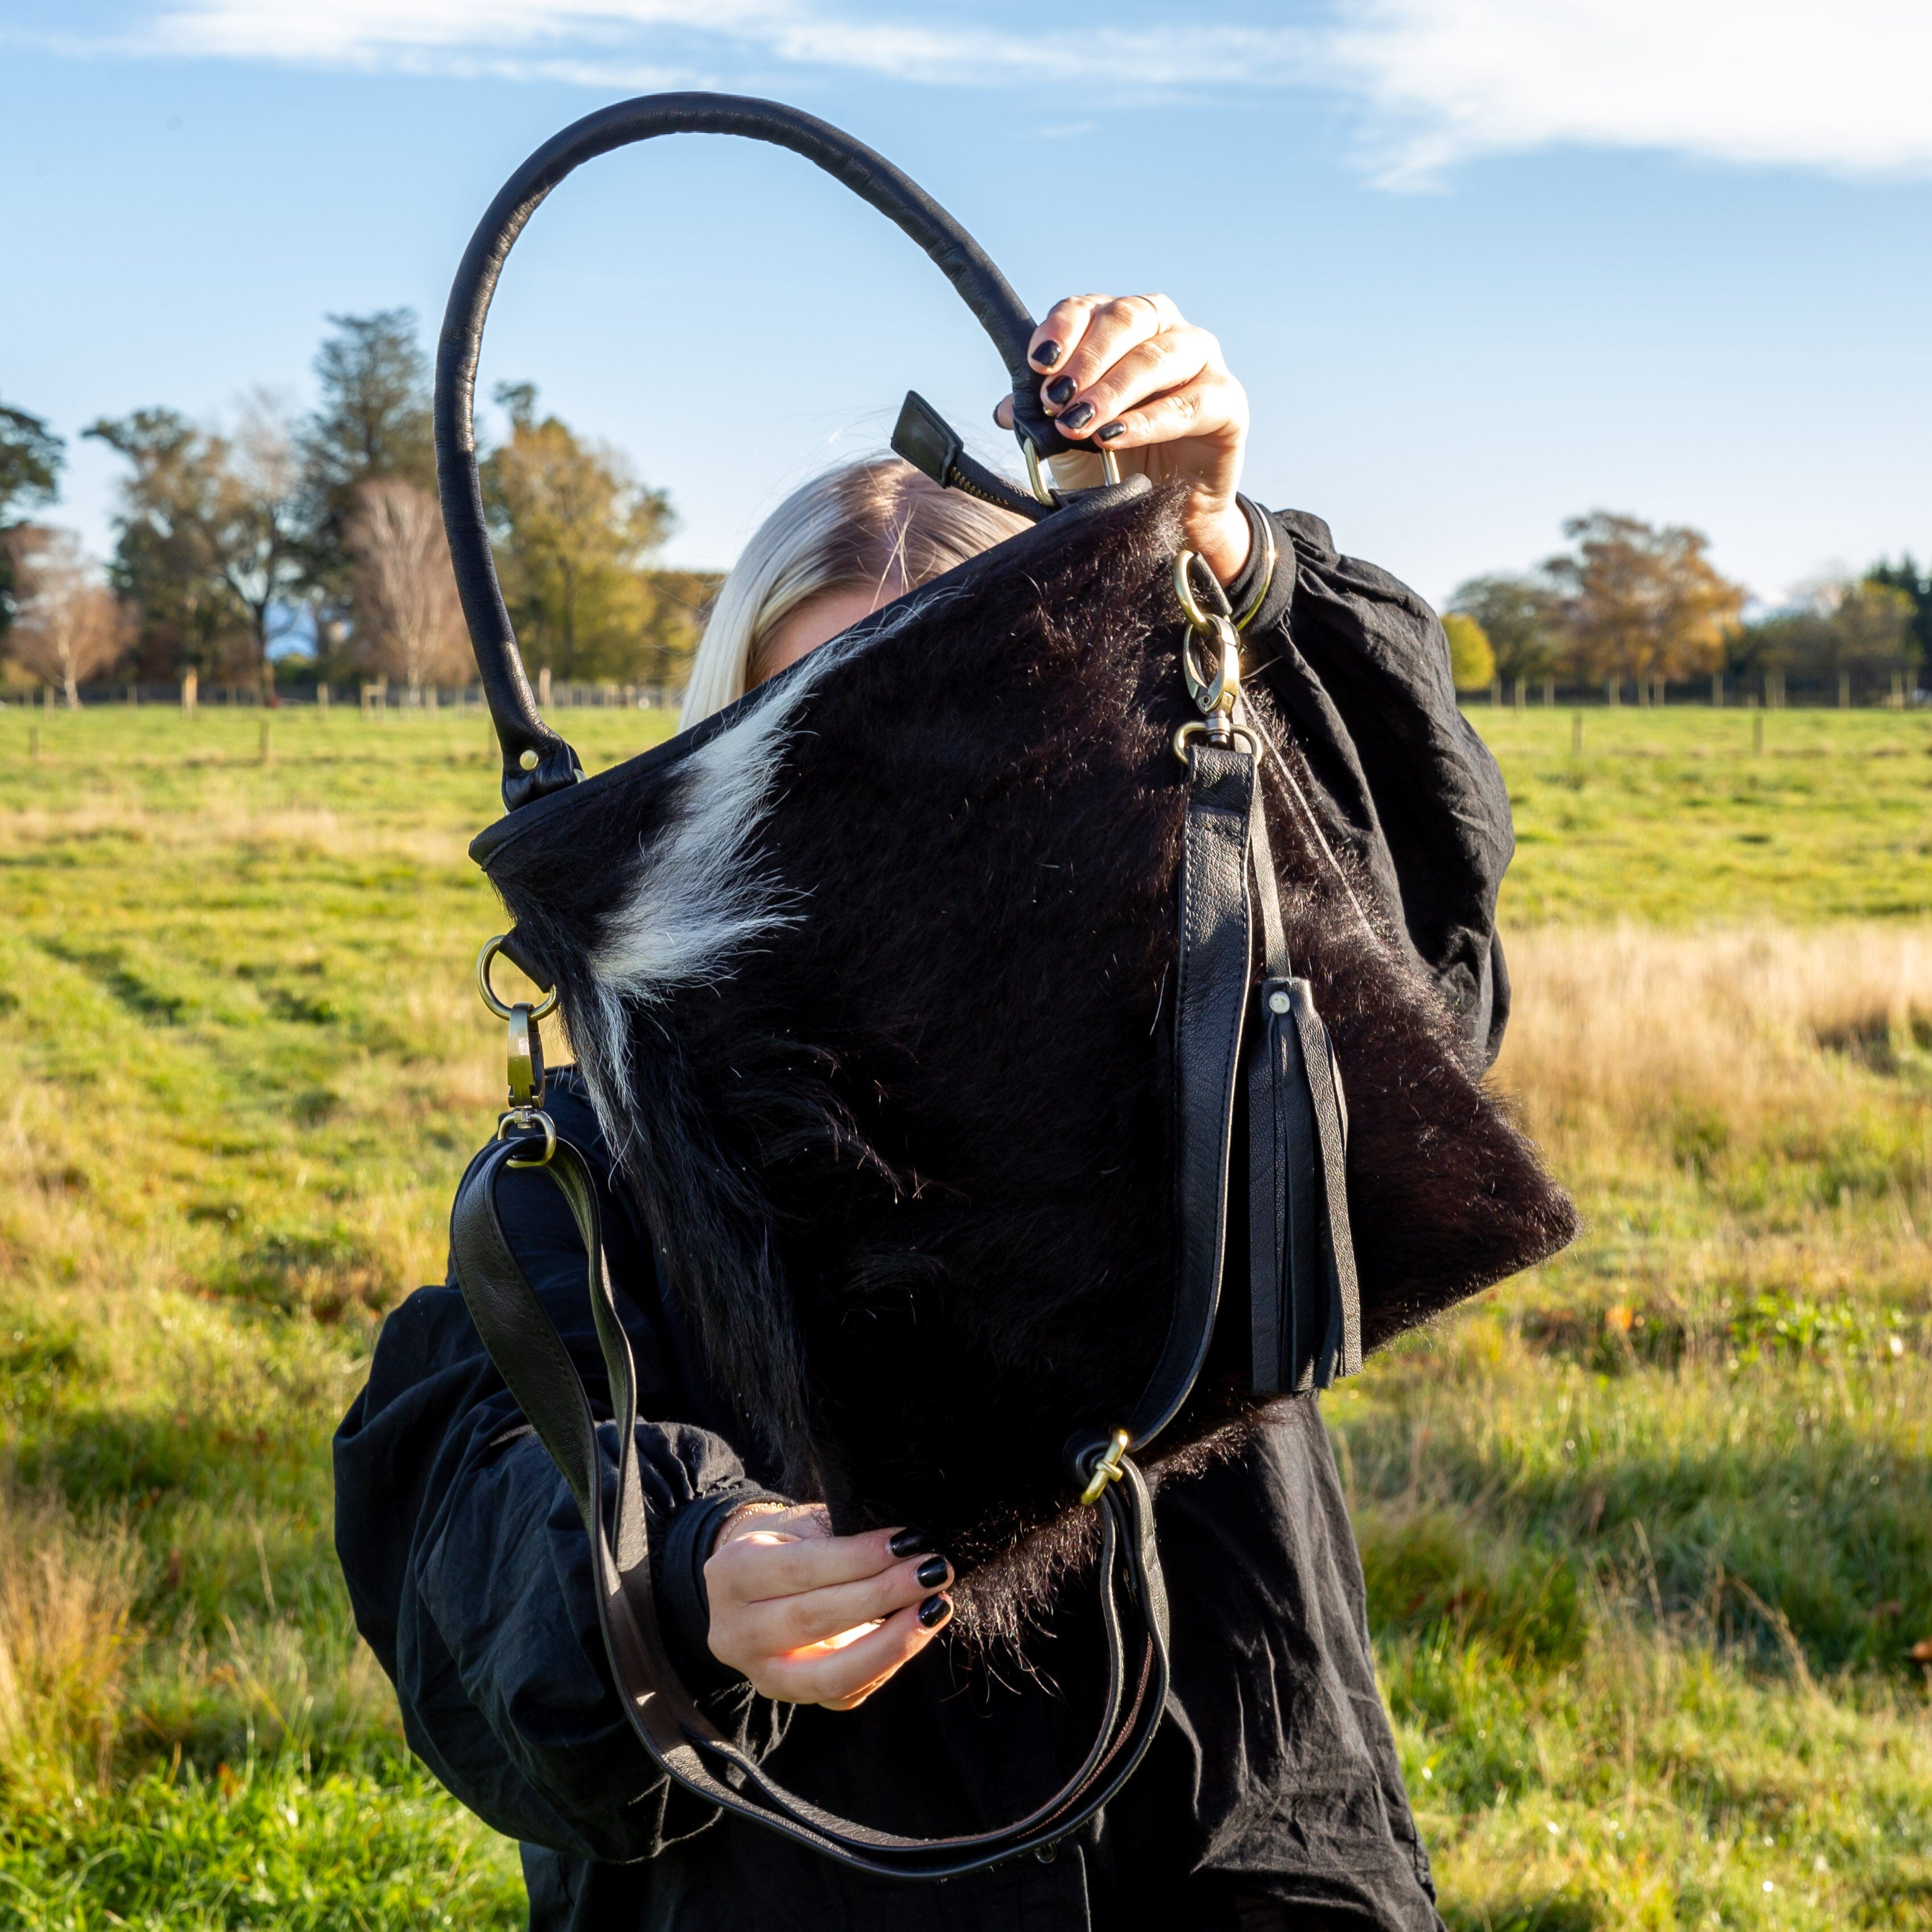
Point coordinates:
[(468, 1569), (1407, 788)]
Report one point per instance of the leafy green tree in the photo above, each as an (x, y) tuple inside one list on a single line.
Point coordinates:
[(573, 535), (1905, 575), (1520, 617), (682, 600), (161, 564), (31, 456), (1471, 662), (371, 424), (1635, 601), (1839, 627), (209, 543)]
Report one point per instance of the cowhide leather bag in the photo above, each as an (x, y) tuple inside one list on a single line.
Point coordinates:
[(964, 1005)]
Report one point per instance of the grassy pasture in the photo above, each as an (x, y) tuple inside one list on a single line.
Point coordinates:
[(1648, 1532)]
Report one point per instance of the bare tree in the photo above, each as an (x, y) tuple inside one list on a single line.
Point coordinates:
[(67, 625), (258, 527), (409, 624)]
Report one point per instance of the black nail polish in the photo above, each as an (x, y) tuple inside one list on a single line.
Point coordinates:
[(933, 1572), (1107, 432), (910, 1543), (933, 1611), (1077, 418), (1061, 391), (1047, 354)]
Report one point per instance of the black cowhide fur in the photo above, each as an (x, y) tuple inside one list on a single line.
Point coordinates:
[(906, 1150)]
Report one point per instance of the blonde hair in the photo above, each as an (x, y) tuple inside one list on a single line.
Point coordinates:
[(878, 524)]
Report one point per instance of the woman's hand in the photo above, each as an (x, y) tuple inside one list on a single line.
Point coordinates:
[(811, 1618), (1130, 374)]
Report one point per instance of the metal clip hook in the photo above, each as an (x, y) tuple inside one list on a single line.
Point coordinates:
[(1214, 696), (526, 1061)]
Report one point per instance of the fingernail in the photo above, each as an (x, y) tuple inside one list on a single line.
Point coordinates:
[(910, 1543), (1047, 354), (933, 1611), (1076, 418), (1061, 391), (1107, 431), (933, 1572)]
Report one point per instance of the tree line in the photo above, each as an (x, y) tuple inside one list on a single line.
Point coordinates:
[(312, 544), (1632, 603)]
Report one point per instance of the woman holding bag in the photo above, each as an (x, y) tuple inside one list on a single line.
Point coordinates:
[(1271, 1797)]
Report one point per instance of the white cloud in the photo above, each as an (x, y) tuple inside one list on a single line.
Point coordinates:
[(601, 38), (1832, 84), (1838, 86)]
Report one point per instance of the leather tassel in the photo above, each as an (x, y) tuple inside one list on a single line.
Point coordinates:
[(1305, 1303), (1340, 1350)]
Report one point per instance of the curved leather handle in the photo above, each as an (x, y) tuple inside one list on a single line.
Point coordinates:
[(535, 760)]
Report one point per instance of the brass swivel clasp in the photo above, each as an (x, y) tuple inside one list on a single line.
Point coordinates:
[(1210, 664), (524, 1115)]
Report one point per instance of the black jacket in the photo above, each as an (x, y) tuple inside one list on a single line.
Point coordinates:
[(1274, 1777)]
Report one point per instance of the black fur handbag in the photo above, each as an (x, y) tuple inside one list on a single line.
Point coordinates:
[(962, 1006)]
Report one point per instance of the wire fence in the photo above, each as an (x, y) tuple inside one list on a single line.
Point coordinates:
[(1767, 690), (374, 697)]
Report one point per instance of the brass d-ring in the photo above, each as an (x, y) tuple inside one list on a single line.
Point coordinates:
[(542, 1010), (1195, 728), (1044, 491), (527, 1120)]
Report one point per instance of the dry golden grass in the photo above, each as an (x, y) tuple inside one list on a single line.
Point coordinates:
[(66, 1596), (1616, 1031)]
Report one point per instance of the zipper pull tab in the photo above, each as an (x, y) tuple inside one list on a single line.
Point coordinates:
[(932, 444)]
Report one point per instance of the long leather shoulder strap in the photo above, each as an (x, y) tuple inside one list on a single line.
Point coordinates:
[(678, 1735)]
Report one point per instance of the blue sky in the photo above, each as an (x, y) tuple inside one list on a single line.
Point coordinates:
[(1482, 263)]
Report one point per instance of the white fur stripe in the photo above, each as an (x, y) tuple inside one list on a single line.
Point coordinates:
[(697, 899)]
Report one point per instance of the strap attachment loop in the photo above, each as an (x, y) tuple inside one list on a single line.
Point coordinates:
[(1106, 1468)]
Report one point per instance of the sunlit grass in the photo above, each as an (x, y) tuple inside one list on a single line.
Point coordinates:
[(1648, 1532)]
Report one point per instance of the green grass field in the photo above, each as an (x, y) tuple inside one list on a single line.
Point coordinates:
[(1648, 1532)]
